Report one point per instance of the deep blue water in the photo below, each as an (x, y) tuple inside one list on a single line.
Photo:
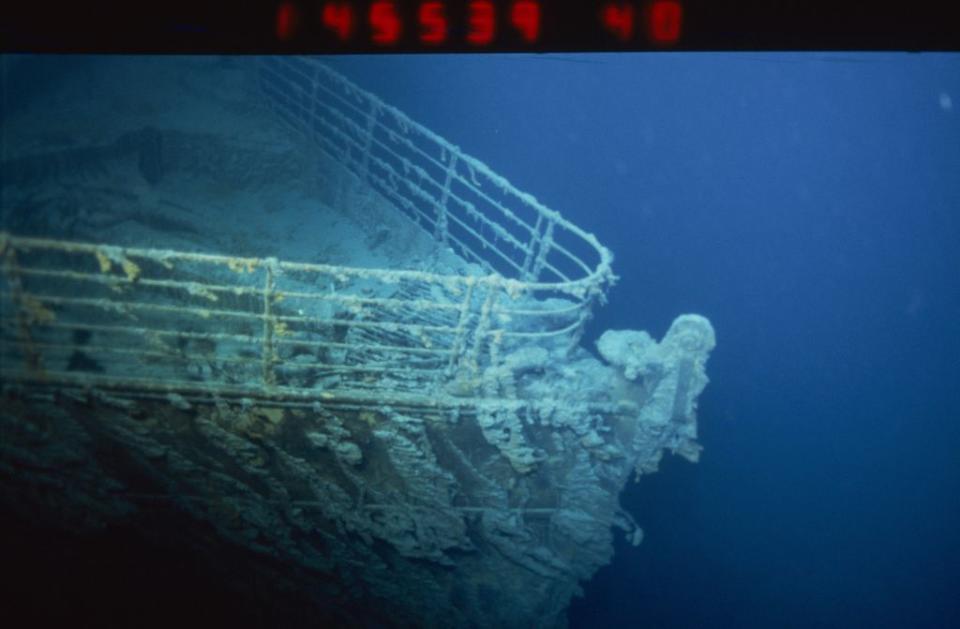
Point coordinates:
[(809, 205)]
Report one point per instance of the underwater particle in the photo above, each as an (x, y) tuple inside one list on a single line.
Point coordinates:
[(946, 103)]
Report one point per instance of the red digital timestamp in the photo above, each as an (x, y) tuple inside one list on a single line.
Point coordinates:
[(386, 24), (661, 19)]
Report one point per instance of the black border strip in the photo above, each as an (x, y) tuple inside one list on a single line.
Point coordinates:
[(177, 26)]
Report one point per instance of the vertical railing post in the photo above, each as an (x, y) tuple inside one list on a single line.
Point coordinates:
[(546, 243), (531, 248), (269, 349), (492, 283), (314, 105), (441, 227), (31, 357), (460, 335), (368, 139)]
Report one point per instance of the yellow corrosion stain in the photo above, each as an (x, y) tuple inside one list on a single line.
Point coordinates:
[(201, 291), (241, 266), (36, 311), (104, 261), (131, 269)]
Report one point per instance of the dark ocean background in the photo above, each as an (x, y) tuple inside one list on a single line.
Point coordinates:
[(809, 205)]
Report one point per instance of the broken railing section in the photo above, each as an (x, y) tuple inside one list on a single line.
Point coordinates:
[(453, 196), (167, 320)]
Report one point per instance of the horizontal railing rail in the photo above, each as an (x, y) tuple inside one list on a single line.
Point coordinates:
[(454, 196), (170, 321)]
